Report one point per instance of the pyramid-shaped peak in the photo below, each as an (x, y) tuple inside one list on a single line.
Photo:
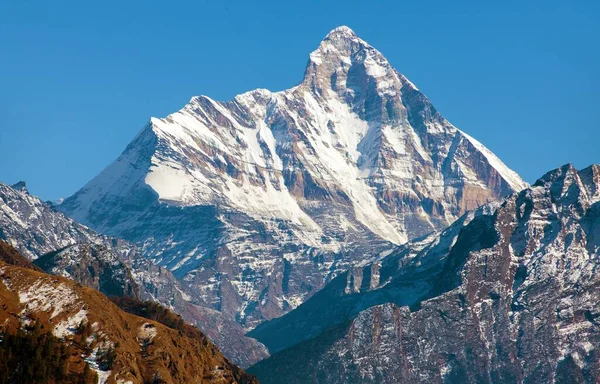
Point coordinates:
[(341, 50)]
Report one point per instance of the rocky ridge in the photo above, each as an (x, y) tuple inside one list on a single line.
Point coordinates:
[(515, 282)]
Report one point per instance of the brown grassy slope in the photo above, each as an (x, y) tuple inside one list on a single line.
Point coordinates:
[(145, 350), (154, 311)]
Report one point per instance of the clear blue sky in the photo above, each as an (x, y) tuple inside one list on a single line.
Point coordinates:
[(78, 79)]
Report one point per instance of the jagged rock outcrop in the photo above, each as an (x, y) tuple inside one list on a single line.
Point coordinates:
[(508, 294), (257, 202)]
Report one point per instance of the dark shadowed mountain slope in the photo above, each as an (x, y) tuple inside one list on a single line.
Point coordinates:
[(92, 265)]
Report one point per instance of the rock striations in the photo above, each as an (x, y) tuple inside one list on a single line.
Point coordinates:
[(34, 227)]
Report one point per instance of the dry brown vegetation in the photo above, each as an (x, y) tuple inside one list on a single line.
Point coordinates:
[(134, 348)]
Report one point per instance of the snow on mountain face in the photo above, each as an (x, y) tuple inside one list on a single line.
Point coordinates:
[(258, 201), (515, 282)]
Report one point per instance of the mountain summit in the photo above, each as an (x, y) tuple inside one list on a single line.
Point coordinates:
[(257, 202), (342, 50)]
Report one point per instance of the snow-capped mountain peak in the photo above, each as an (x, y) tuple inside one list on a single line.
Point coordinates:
[(257, 201)]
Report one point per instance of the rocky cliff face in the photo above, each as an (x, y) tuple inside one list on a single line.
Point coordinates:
[(508, 294), (256, 202)]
